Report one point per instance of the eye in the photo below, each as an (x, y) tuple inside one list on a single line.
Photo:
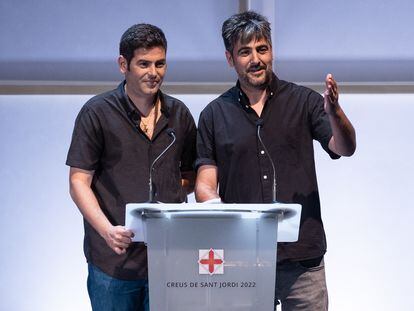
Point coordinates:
[(262, 49), (143, 64), (244, 52), (160, 64)]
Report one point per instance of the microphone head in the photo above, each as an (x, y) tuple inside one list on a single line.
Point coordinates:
[(170, 131), (259, 122)]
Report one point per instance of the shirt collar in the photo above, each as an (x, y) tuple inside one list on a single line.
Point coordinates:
[(271, 91), (130, 108)]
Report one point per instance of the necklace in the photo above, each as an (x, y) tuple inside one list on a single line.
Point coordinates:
[(148, 123), (145, 126)]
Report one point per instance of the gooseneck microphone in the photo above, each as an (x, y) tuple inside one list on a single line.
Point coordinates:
[(259, 125), (170, 133)]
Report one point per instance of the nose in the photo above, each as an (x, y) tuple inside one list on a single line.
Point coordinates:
[(152, 71), (254, 58)]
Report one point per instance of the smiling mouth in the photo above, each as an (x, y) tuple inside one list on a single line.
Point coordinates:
[(257, 70), (152, 83)]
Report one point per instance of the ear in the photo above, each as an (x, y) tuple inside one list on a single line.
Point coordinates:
[(229, 58), (123, 64)]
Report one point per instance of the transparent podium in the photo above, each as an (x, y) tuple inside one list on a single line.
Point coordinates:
[(212, 256)]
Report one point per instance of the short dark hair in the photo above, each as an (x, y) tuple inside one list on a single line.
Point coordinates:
[(245, 27), (141, 36)]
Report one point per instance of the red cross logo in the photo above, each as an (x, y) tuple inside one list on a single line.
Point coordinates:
[(211, 261)]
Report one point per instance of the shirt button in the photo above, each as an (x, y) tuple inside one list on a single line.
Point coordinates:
[(264, 176), (271, 93), (262, 152), (247, 106)]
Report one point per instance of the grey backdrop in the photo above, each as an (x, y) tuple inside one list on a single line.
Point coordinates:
[(78, 40)]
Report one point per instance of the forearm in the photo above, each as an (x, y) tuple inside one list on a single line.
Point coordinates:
[(204, 192), (343, 141), (88, 205), (206, 183)]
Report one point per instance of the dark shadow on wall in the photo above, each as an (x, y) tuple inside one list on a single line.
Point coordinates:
[(215, 71)]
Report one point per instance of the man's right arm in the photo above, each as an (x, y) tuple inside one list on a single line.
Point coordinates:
[(206, 183), (117, 237)]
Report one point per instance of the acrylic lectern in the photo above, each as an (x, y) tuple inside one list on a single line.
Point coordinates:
[(211, 257)]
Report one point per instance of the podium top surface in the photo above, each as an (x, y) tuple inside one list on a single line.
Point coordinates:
[(288, 215), (217, 209)]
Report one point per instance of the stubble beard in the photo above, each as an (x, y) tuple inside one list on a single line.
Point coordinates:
[(258, 84)]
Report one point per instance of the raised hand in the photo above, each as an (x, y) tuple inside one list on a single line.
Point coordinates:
[(331, 95)]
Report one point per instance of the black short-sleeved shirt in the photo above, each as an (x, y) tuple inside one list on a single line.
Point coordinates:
[(292, 118), (107, 139)]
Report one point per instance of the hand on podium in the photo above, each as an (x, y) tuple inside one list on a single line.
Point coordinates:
[(213, 201), (118, 238)]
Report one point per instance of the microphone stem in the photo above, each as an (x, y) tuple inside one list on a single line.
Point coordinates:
[(151, 193)]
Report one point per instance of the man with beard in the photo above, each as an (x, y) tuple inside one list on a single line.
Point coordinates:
[(287, 118), (117, 136)]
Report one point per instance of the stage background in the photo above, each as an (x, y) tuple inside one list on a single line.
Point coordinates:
[(366, 205), (78, 40)]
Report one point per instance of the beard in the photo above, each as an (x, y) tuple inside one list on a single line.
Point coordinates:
[(261, 82)]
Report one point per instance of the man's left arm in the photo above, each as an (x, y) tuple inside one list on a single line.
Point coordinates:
[(188, 181), (343, 140), (188, 155)]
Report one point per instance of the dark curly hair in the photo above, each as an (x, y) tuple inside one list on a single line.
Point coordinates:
[(141, 36)]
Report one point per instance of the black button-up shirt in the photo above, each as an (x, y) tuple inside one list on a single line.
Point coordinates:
[(107, 139), (293, 116)]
